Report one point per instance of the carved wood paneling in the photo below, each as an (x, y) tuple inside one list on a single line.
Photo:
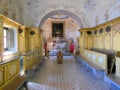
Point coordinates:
[(2, 76), (107, 41), (1, 38), (100, 41), (89, 42), (116, 40), (12, 69)]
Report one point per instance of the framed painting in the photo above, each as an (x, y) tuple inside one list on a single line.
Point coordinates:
[(57, 29)]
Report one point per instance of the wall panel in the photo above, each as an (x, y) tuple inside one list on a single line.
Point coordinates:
[(107, 41), (100, 41), (116, 40), (1, 38)]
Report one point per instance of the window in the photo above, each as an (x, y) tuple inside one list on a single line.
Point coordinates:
[(10, 40), (5, 39)]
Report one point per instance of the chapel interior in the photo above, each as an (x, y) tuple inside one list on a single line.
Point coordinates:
[(59, 44)]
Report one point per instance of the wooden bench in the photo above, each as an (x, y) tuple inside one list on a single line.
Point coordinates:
[(17, 83), (97, 71), (113, 80), (32, 70)]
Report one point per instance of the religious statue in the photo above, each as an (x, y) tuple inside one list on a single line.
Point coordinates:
[(96, 20), (57, 39), (45, 48), (106, 15), (72, 47)]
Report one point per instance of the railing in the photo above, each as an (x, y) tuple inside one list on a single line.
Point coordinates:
[(30, 59), (96, 57)]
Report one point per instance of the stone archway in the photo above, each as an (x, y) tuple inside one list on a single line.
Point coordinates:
[(60, 16), (64, 12)]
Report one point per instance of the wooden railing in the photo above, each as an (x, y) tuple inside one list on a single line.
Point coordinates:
[(96, 57), (31, 59)]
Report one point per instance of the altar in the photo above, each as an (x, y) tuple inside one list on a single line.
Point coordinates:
[(56, 44)]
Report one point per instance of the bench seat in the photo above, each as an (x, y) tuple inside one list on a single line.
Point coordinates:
[(32, 70), (17, 83), (97, 71), (113, 80)]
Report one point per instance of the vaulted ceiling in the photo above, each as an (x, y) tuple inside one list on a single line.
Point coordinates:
[(87, 13)]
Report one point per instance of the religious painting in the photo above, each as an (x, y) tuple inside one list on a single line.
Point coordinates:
[(57, 29)]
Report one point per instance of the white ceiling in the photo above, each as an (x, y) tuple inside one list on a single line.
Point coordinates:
[(89, 12)]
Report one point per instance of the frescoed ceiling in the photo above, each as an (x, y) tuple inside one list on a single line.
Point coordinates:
[(61, 14), (87, 13)]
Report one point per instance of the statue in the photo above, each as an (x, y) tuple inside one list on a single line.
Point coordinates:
[(106, 15), (58, 40), (72, 47), (96, 20)]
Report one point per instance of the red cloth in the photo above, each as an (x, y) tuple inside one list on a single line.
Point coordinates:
[(71, 48), (45, 45)]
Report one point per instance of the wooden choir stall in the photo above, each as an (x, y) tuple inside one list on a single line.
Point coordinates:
[(99, 50), (20, 52)]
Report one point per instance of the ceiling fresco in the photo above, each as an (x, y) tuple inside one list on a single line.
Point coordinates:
[(34, 12), (89, 5), (61, 14)]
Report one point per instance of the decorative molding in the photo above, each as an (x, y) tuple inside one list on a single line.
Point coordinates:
[(32, 32), (108, 29), (101, 30), (20, 30), (89, 32)]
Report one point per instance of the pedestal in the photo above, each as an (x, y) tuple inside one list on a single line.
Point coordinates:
[(59, 57)]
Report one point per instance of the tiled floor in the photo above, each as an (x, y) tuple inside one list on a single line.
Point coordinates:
[(67, 76)]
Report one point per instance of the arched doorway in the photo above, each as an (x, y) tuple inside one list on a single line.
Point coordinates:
[(62, 24)]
